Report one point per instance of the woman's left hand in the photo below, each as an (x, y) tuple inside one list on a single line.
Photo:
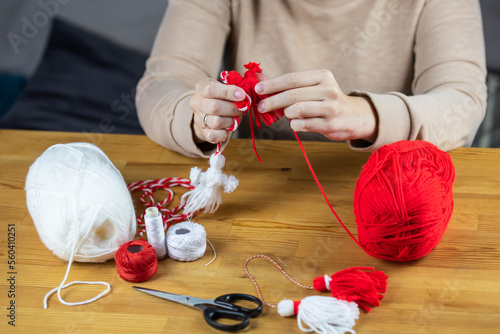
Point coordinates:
[(314, 102)]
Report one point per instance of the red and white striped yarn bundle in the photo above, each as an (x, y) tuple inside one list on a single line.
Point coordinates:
[(149, 187)]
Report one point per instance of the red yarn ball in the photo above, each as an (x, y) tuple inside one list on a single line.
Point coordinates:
[(403, 200), (136, 261)]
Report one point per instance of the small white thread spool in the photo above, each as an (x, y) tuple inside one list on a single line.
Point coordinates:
[(155, 231), (186, 241)]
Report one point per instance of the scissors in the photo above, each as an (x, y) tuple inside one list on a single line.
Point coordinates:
[(222, 307)]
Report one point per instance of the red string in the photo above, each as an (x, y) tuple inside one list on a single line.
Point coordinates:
[(148, 188), (280, 269), (247, 83), (323, 192)]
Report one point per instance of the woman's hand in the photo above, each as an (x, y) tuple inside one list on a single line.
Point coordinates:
[(214, 109), (314, 102)]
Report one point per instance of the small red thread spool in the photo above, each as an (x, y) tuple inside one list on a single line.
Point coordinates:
[(403, 200), (136, 261)]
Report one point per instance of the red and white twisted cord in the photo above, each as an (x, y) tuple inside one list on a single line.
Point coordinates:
[(279, 267), (147, 198)]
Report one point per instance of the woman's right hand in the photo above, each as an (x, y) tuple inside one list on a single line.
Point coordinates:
[(216, 101)]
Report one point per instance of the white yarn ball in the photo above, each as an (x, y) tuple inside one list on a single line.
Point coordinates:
[(186, 241), (79, 202)]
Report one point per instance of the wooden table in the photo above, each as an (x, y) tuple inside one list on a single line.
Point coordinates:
[(277, 210)]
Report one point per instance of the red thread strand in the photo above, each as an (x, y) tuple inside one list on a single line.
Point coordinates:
[(323, 192)]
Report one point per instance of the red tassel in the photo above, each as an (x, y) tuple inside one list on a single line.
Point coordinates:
[(361, 285), (249, 104)]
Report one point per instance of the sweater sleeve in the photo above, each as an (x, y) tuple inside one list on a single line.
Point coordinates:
[(188, 47), (449, 91)]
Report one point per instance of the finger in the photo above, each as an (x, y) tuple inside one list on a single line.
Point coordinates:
[(290, 97), (309, 125), (215, 136), (218, 107), (308, 109), (262, 77), (215, 122), (292, 80), (333, 131), (215, 90)]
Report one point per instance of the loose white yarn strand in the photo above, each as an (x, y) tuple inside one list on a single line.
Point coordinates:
[(215, 254), (64, 286)]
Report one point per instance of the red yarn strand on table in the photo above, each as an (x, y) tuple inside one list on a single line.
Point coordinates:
[(247, 83)]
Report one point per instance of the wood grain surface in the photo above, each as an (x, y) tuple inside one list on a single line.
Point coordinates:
[(277, 210)]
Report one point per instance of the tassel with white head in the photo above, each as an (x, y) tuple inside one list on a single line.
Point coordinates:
[(320, 314), (207, 192)]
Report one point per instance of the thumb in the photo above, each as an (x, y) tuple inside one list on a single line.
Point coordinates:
[(262, 77), (235, 93)]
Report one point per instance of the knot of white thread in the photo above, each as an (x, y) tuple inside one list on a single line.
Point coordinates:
[(285, 308), (328, 279)]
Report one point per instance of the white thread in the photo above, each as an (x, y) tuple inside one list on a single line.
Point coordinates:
[(64, 286), (80, 206), (207, 192), (327, 315), (155, 231), (328, 279), (186, 241), (215, 254)]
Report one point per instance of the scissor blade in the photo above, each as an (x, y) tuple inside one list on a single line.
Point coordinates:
[(181, 299)]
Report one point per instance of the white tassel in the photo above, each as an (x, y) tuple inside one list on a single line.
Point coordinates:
[(321, 314), (207, 192)]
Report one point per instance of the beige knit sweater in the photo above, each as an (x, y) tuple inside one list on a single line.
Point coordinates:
[(421, 62)]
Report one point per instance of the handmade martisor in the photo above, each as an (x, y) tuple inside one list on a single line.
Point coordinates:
[(351, 288), (403, 199), (207, 186), (247, 82), (80, 207)]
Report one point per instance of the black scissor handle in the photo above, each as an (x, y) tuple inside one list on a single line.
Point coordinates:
[(229, 299), (212, 314)]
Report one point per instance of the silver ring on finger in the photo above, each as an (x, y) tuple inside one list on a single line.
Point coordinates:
[(205, 120)]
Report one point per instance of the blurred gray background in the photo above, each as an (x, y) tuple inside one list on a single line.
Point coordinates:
[(133, 24)]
